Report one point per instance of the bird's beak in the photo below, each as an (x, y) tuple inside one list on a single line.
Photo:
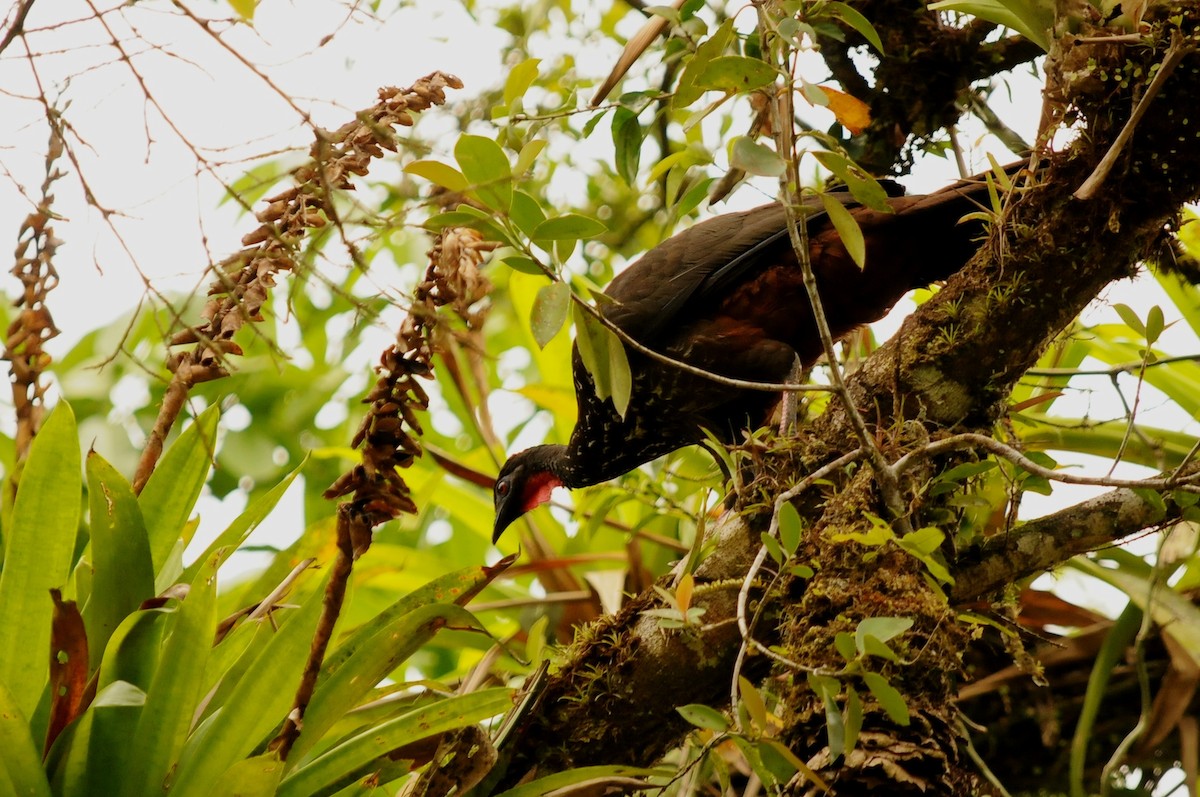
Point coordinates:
[(507, 511)]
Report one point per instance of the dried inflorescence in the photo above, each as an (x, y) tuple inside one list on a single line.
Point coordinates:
[(33, 325), (244, 280), (387, 434)]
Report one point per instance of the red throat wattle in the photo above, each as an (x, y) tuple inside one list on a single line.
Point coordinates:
[(538, 489)]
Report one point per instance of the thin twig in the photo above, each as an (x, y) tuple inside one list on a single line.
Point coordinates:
[(961, 442)]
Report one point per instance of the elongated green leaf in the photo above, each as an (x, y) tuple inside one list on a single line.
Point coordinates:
[(604, 358), (175, 691), (568, 226), (112, 721), (1111, 653), (486, 168), (856, 20), (341, 764), (888, 696), (232, 537), (251, 709), (550, 310), (251, 777), (357, 675), (519, 79), (38, 547), (1033, 19), (703, 716), (120, 554), (438, 173), (20, 765), (847, 229), (627, 139), (562, 780), (169, 497)]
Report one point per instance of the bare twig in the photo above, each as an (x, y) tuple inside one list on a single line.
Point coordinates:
[(17, 26), (961, 442)]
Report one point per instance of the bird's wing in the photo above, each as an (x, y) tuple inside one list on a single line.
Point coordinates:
[(695, 266)]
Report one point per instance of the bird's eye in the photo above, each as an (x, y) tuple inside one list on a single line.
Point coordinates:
[(502, 488)]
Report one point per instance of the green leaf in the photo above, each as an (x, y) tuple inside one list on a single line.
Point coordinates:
[(1130, 318), (856, 20), (120, 552), (889, 698), (527, 156), (175, 692), (21, 764), (627, 138), (486, 168), (526, 213), (253, 707), (564, 780), (39, 545), (355, 676), (341, 764), (169, 497), (755, 158), (241, 528), (752, 699), (852, 719), (827, 688), (1033, 19), (881, 628), (550, 309), (524, 265), (251, 777), (438, 173), (863, 187), (604, 358), (1154, 324), (519, 79), (734, 73), (789, 528), (773, 548), (704, 717), (688, 90), (845, 645), (847, 229), (568, 226), (873, 647)]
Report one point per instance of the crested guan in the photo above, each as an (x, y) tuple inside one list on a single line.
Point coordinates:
[(727, 295)]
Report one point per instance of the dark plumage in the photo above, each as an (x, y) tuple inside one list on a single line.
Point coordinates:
[(727, 296)]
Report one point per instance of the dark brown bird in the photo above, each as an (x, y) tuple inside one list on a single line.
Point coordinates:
[(727, 296)]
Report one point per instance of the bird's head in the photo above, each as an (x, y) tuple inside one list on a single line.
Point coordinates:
[(525, 482)]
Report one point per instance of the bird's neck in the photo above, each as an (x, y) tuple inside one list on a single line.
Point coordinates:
[(561, 463)]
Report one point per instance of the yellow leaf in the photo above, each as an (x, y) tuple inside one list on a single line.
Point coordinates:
[(852, 112), (683, 593)]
